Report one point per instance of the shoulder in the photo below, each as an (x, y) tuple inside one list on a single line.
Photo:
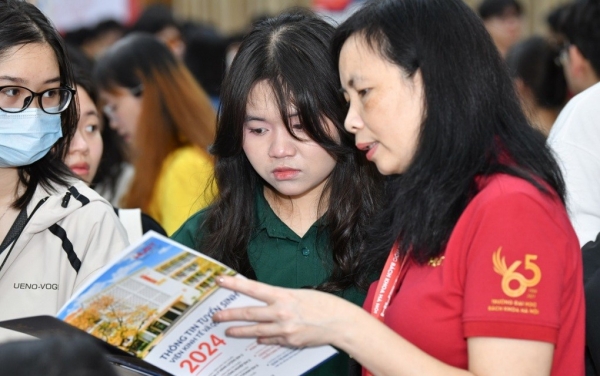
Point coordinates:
[(513, 213), (188, 234), (578, 119), (504, 188), (94, 215), (508, 202), (186, 167), (186, 156), (84, 221), (75, 203)]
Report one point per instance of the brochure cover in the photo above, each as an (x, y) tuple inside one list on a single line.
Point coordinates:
[(156, 303)]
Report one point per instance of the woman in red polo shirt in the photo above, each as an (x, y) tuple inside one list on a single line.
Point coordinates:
[(484, 272)]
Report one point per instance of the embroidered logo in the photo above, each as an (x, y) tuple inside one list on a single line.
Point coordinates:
[(436, 261), (510, 274)]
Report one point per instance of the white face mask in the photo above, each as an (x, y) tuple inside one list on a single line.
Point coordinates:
[(27, 136)]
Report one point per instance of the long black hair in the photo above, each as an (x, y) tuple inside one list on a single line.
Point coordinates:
[(579, 25), (22, 23), (291, 53), (472, 123)]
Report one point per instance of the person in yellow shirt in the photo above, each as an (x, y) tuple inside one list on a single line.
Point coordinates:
[(167, 121)]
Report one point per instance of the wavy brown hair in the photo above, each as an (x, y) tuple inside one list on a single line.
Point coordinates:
[(175, 110)]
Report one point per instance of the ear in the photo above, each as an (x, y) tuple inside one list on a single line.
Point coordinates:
[(578, 65)]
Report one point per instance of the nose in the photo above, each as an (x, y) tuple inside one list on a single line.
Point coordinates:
[(112, 122), (353, 122), (30, 102), (79, 144), (110, 113), (282, 143)]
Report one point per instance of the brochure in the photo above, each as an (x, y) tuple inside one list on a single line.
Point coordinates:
[(156, 303)]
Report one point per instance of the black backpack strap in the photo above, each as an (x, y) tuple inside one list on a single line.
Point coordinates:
[(67, 246), (17, 228), (591, 267)]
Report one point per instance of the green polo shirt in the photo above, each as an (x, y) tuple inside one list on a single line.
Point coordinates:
[(280, 257)]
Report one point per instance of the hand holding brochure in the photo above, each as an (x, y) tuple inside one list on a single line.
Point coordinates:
[(156, 302)]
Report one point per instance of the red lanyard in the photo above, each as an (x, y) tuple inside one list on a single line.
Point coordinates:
[(388, 282), (393, 273)]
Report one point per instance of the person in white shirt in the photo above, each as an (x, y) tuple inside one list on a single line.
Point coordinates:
[(575, 140)]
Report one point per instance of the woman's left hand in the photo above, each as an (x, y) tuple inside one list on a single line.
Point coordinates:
[(292, 317)]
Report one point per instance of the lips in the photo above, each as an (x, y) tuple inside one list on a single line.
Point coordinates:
[(369, 147), (80, 169), (126, 137), (285, 173)]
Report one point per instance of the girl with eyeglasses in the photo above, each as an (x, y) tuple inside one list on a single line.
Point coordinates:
[(54, 230), (167, 121)]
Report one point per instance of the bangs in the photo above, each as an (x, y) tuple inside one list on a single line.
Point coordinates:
[(301, 102)]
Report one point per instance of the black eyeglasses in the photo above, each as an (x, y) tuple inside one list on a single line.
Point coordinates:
[(14, 99)]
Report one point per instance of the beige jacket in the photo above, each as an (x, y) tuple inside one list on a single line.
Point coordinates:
[(73, 233)]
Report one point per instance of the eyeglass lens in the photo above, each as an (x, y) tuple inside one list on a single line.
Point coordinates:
[(17, 99)]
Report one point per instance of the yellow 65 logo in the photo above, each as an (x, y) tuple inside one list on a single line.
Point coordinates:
[(509, 274)]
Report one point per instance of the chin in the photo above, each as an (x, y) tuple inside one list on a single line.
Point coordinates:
[(288, 191), (383, 170)]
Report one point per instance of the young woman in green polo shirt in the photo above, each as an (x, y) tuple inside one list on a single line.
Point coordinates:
[(295, 196)]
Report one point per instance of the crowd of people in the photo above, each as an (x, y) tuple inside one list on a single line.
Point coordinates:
[(384, 183)]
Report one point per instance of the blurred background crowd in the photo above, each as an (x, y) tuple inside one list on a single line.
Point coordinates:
[(149, 74), (533, 36)]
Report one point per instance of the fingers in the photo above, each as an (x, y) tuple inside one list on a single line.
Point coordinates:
[(252, 314), (253, 331), (254, 289), (267, 334)]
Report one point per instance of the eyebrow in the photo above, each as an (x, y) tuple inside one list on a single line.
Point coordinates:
[(351, 84), (253, 118), (23, 82), (256, 118), (352, 81), (92, 113)]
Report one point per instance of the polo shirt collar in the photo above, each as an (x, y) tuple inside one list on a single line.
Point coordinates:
[(267, 220)]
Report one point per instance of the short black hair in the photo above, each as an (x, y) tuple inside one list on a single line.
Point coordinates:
[(155, 18), (492, 8), (581, 27), (556, 17)]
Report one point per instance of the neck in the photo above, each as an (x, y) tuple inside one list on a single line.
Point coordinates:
[(297, 212), (8, 189), (544, 119), (539, 117)]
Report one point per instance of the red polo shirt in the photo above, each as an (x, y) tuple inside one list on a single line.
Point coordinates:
[(512, 269)]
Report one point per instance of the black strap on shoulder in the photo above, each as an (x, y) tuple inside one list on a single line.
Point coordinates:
[(78, 196), (19, 227), (66, 245), (15, 230)]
